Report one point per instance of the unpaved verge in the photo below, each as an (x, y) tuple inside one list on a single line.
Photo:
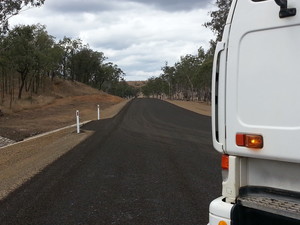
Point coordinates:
[(197, 107), (21, 161), (113, 110)]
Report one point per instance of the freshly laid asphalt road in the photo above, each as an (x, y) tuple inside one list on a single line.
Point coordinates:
[(152, 164)]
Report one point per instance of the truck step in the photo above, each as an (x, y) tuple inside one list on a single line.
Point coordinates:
[(272, 203)]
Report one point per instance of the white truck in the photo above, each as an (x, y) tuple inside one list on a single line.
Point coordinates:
[(256, 114)]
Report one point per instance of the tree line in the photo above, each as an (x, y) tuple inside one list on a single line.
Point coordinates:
[(29, 56), (190, 77)]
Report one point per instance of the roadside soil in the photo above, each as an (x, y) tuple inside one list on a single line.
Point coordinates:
[(39, 114), (22, 160), (197, 107), (61, 113)]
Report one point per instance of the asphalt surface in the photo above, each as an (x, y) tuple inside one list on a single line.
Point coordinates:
[(152, 164)]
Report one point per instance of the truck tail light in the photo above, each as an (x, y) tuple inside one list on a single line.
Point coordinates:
[(249, 140)]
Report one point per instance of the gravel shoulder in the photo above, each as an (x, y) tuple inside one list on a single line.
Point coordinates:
[(23, 160)]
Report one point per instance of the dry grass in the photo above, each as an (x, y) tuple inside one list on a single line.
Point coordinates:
[(48, 93), (54, 109)]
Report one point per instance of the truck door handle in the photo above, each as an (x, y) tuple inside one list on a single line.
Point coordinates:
[(284, 10)]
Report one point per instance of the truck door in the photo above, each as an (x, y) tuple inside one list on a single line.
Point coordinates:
[(263, 80)]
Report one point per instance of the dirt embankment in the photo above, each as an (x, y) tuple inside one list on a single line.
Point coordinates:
[(54, 109)]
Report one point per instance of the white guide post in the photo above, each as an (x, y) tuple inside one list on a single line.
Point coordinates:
[(98, 108), (77, 121)]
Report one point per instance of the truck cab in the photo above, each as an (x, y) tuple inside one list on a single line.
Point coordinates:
[(256, 114)]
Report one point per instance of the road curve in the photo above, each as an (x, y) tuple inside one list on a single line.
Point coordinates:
[(152, 164)]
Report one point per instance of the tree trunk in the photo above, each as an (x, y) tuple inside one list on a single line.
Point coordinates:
[(22, 81), (11, 94), (21, 89)]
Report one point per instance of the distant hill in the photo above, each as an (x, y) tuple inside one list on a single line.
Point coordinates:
[(136, 84)]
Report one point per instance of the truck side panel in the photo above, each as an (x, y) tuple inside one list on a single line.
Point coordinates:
[(263, 73)]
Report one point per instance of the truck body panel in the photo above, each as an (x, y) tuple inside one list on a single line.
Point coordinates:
[(256, 74), (262, 80)]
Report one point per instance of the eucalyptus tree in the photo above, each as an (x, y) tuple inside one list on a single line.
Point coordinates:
[(216, 24), (155, 87), (168, 75), (187, 72), (30, 52), (6, 69), (146, 90), (192, 73), (21, 52), (70, 48), (218, 18), (203, 78), (56, 54), (124, 90), (10, 8), (109, 75), (188, 76), (86, 65), (46, 57)]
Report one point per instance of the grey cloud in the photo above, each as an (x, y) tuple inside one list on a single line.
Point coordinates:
[(176, 5), (91, 6), (75, 6), (116, 45)]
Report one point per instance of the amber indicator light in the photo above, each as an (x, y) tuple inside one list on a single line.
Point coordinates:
[(249, 140), (225, 162), (222, 223)]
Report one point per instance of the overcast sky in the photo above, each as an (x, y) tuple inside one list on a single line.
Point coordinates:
[(137, 35)]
